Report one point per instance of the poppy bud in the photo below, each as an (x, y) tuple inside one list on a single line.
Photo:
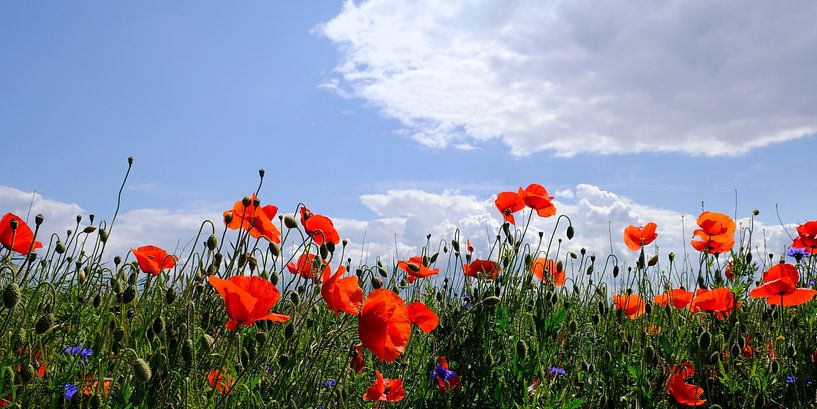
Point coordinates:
[(170, 296), (573, 326), (97, 300), (13, 224), (648, 308), (273, 278), (289, 331), (491, 300), (748, 257), (207, 342), (455, 245), (413, 267), (261, 173), (755, 212), (89, 229), (324, 252), (212, 242), (44, 323), (376, 283), (295, 298), (283, 360), (290, 222), (142, 370), (595, 319), (253, 262), (129, 294), (82, 275), (704, 341), (521, 349), (440, 296), (31, 257), (570, 232), (11, 295), (590, 270), (653, 261), (433, 258), (27, 373)]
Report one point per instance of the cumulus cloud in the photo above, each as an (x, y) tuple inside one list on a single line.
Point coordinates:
[(169, 229), (584, 76), (404, 217)]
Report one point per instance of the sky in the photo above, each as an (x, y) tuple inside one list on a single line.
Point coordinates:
[(399, 119)]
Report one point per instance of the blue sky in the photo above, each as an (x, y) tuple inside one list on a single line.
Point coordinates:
[(202, 95)]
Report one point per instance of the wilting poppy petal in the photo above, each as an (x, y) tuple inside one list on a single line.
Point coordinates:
[(20, 240), (423, 316), (384, 326), (153, 260)]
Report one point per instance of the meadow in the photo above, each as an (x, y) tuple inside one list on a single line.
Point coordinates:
[(240, 320)]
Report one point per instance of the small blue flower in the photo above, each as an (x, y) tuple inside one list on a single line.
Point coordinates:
[(557, 371), (809, 381), (790, 379), (443, 374), (77, 349), (797, 253), (329, 383), (70, 390)]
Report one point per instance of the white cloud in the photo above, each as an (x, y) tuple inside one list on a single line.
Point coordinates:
[(583, 76), (404, 217)]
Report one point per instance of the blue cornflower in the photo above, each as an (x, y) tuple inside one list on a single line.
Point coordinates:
[(557, 371), (809, 382), (329, 383), (443, 374), (466, 300), (790, 379), (77, 349), (70, 390), (797, 253)]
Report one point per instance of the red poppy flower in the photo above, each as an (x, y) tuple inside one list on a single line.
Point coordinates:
[(541, 266), (306, 267), (632, 305), (446, 378), (679, 298), (482, 268), (780, 287), (5, 401), (415, 268), (319, 227), (807, 238), (153, 260), (684, 393), (385, 390), (247, 300), (716, 233), (341, 294), (637, 237), (720, 301), (509, 203), (384, 326), (356, 362), (423, 316), (258, 221), (37, 362), (219, 382), (20, 240), (91, 386), (536, 197)]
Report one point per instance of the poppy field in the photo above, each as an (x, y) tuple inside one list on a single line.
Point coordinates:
[(243, 320)]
